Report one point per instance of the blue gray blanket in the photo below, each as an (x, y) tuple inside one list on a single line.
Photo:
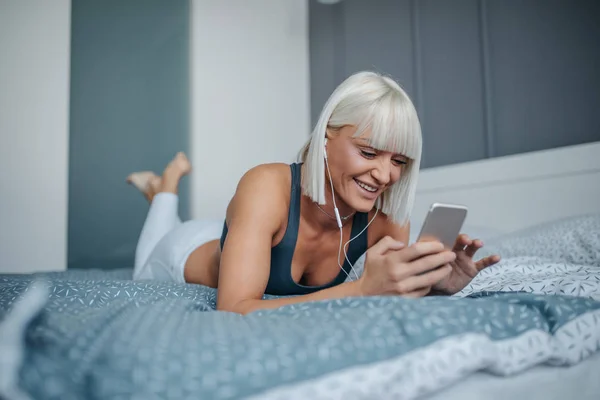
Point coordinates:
[(100, 335)]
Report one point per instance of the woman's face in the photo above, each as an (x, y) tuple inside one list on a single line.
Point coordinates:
[(359, 172)]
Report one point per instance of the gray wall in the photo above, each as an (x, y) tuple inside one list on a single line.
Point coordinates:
[(488, 77), (129, 111)]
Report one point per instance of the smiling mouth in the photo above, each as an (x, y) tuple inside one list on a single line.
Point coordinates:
[(366, 187)]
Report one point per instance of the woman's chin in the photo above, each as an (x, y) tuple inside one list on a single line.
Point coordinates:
[(362, 205)]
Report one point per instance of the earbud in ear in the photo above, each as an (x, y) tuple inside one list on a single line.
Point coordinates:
[(325, 148)]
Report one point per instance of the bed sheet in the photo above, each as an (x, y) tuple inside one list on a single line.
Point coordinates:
[(539, 383), (94, 334), (111, 338)]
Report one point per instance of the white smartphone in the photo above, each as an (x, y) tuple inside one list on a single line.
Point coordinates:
[(443, 223)]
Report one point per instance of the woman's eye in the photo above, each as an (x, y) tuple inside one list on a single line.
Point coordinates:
[(400, 162), (368, 154)]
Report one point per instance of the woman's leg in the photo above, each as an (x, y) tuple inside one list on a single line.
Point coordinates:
[(163, 213)]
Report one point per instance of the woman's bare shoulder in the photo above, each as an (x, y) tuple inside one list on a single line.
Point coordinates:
[(275, 177), (274, 172), (264, 183)]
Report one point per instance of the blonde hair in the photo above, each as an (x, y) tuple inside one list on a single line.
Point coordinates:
[(372, 101)]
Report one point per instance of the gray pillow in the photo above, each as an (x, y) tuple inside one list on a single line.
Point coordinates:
[(574, 240)]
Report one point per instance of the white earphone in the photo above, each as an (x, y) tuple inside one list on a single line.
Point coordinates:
[(339, 220), (335, 209)]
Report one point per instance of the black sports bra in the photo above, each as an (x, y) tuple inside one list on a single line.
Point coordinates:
[(280, 278)]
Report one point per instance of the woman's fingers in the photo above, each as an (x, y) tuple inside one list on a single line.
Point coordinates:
[(418, 282), (386, 244), (430, 262), (462, 241), (418, 250), (487, 262), (419, 293), (473, 247)]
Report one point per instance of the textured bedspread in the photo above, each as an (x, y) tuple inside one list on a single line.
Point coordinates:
[(102, 336)]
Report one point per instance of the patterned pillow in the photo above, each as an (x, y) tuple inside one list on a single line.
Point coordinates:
[(574, 240)]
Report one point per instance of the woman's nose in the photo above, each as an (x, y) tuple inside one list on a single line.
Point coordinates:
[(382, 172)]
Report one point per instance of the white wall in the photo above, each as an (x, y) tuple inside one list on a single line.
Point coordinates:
[(518, 191), (250, 92), (34, 82)]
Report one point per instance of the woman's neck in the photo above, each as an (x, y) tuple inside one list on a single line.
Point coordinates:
[(324, 215)]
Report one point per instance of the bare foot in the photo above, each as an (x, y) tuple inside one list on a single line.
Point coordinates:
[(150, 184), (177, 168), (155, 187), (146, 182), (179, 165)]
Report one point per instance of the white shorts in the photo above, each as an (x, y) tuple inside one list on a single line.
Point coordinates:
[(166, 243), (167, 260)]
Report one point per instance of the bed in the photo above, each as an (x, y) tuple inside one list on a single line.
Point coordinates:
[(526, 327)]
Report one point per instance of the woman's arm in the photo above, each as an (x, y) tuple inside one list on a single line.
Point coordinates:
[(255, 215), (347, 289)]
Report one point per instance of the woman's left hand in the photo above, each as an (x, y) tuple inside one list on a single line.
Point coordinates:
[(464, 268)]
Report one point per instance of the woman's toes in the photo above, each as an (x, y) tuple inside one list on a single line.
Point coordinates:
[(181, 164), (140, 180)]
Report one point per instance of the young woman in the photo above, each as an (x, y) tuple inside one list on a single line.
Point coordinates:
[(298, 229)]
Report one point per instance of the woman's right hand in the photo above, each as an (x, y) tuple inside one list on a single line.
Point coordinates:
[(391, 268)]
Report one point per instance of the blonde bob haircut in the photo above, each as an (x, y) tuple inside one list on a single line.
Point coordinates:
[(372, 101)]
